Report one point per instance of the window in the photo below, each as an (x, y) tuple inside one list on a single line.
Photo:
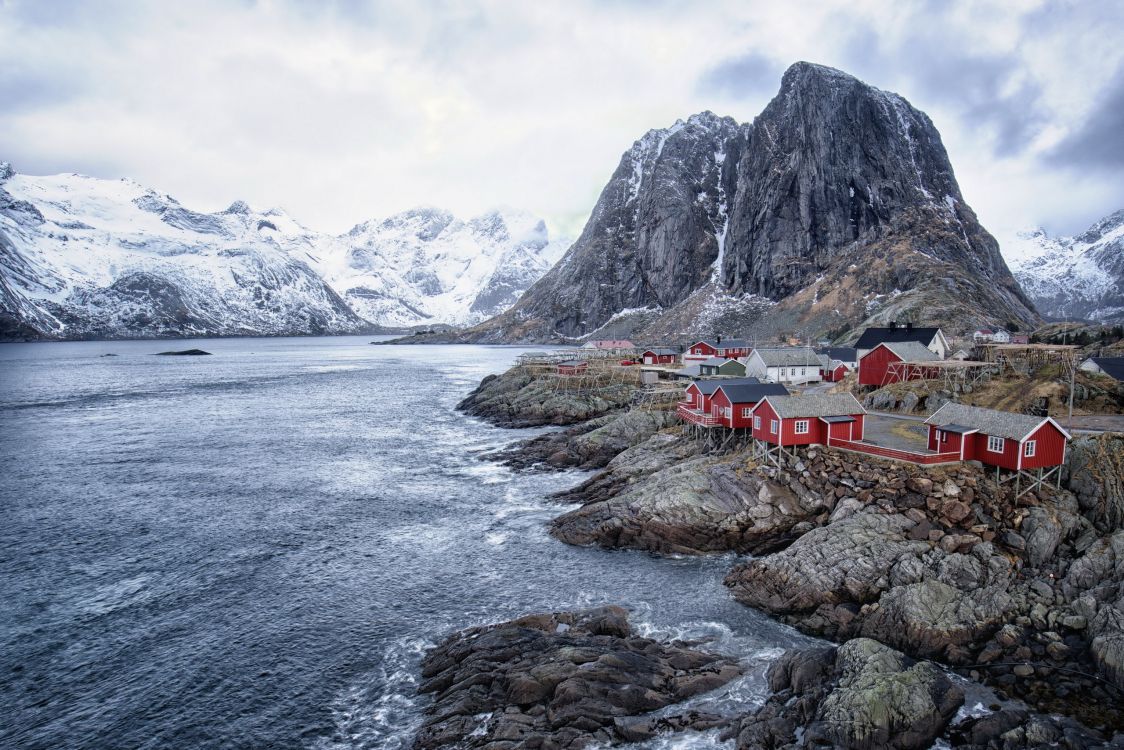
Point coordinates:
[(1029, 447), (802, 427), (994, 444), (757, 423), (942, 436), (802, 369), (772, 426), (745, 412)]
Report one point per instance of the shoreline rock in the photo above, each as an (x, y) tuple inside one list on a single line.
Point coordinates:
[(518, 399), (562, 680)]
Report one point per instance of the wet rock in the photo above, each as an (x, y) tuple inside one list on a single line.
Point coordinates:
[(864, 695), (562, 680), (183, 353), (518, 399)]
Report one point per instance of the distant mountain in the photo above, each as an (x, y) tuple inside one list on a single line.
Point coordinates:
[(836, 208), (82, 257), (1073, 277)]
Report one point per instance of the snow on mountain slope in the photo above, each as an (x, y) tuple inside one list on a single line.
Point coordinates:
[(82, 257), (1073, 277)]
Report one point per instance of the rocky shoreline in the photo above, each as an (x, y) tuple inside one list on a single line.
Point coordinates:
[(924, 573)]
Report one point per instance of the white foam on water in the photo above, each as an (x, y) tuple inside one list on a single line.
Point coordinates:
[(495, 538)]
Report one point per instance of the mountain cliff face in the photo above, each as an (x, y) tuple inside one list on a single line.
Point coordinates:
[(836, 208), (89, 258), (1073, 277)]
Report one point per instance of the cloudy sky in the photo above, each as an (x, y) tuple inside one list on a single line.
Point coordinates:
[(348, 110)]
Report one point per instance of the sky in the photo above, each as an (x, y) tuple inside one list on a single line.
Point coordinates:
[(344, 111)]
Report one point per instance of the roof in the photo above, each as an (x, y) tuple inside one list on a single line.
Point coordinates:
[(789, 356), (573, 363), (751, 393), (719, 361), (1112, 366), (957, 428), (662, 350), (707, 387), (816, 405), (872, 337), (690, 371), (910, 351), (988, 421), (836, 420), (725, 344), (842, 353)]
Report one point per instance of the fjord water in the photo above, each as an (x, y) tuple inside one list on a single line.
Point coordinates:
[(254, 549)]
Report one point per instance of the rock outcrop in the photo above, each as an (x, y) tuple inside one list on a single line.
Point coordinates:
[(518, 399), (561, 680)]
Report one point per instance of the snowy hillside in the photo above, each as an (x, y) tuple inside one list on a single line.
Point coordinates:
[(82, 257), (1072, 277)]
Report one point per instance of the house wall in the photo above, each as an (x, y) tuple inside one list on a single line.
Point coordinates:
[(756, 367), (700, 351), (874, 366), (976, 449), (952, 443), (1050, 450), (767, 414), (735, 369)]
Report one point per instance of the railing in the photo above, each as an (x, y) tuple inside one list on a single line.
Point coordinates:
[(696, 417), (924, 459)]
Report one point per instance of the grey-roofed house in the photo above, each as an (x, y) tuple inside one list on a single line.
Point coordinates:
[(998, 438), (808, 419), (1113, 367), (929, 337), (788, 364), (721, 366)]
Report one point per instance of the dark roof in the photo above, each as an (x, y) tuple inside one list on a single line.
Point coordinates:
[(988, 421), (751, 393), (872, 337), (1112, 366), (838, 419), (708, 387), (957, 428), (842, 353)]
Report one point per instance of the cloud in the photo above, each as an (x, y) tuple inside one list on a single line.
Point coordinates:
[(742, 76), (1097, 142)]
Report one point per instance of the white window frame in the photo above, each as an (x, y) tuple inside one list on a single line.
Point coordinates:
[(1030, 447), (995, 440), (745, 412), (802, 427), (756, 422), (773, 427)]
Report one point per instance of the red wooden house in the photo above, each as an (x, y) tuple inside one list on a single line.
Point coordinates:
[(572, 367), (1017, 442), (732, 404), (893, 362), (696, 404), (660, 356), (808, 420), (835, 372), (728, 349)]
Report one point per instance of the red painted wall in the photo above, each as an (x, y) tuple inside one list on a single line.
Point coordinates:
[(735, 420), (873, 367), (951, 444), (702, 350), (1050, 450)]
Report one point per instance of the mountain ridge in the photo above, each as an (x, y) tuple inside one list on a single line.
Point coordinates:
[(84, 257)]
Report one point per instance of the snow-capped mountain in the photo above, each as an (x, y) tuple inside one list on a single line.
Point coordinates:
[(1073, 277), (82, 257)]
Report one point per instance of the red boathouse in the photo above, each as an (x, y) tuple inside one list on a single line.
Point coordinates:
[(894, 362), (660, 356), (808, 420), (733, 403), (1016, 442)]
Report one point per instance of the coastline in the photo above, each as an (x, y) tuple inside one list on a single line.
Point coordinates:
[(936, 567)]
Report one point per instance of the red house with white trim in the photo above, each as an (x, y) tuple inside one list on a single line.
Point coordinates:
[(1017, 442), (893, 362), (836, 372), (729, 349), (696, 405), (733, 403), (808, 420), (660, 356)]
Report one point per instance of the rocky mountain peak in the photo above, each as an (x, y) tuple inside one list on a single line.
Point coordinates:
[(238, 207), (6, 170), (1101, 229)]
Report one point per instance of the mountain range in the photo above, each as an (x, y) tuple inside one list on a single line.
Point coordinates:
[(1080, 277), (82, 257), (836, 208)]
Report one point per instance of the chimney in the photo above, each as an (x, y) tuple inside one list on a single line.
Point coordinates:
[(909, 326), (719, 338), (893, 324)]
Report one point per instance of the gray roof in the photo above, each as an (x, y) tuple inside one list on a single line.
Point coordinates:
[(718, 361), (661, 350), (708, 387), (816, 405), (690, 371), (751, 393), (988, 421), (911, 351), (789, 356)]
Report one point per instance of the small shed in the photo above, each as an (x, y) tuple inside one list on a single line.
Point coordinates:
[(659, 356), (835, 372)]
